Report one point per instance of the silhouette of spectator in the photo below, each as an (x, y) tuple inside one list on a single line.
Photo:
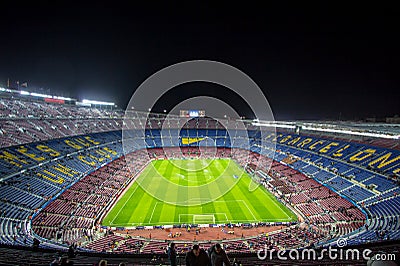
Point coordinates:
[(218, 256), (197, 257), (172, 254)]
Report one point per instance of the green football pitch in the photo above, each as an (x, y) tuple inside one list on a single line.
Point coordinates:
[(195, 191)]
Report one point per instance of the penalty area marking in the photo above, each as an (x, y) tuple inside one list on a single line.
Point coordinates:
[(199, 201), (193, 214)]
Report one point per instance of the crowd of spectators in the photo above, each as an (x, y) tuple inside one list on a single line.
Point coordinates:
[(73, 217), (28, 121)]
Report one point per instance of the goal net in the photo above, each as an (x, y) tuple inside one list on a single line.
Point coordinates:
[(203, 219)]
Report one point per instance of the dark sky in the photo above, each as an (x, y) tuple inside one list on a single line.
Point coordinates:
[(312, 62)]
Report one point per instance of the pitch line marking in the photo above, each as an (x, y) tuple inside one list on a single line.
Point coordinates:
[(123, 205), (192, 214), (281, 210), (255, 219), (273, 200), (154, 208)]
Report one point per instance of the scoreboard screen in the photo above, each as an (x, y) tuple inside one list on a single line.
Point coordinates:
[(192, 113)]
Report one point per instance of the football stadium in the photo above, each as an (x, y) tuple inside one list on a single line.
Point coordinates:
[(199, 133), (71, 178)]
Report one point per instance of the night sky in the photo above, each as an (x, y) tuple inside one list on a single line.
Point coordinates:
[(312, 62)]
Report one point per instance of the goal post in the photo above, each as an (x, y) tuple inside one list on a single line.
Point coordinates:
[(203, 219)]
